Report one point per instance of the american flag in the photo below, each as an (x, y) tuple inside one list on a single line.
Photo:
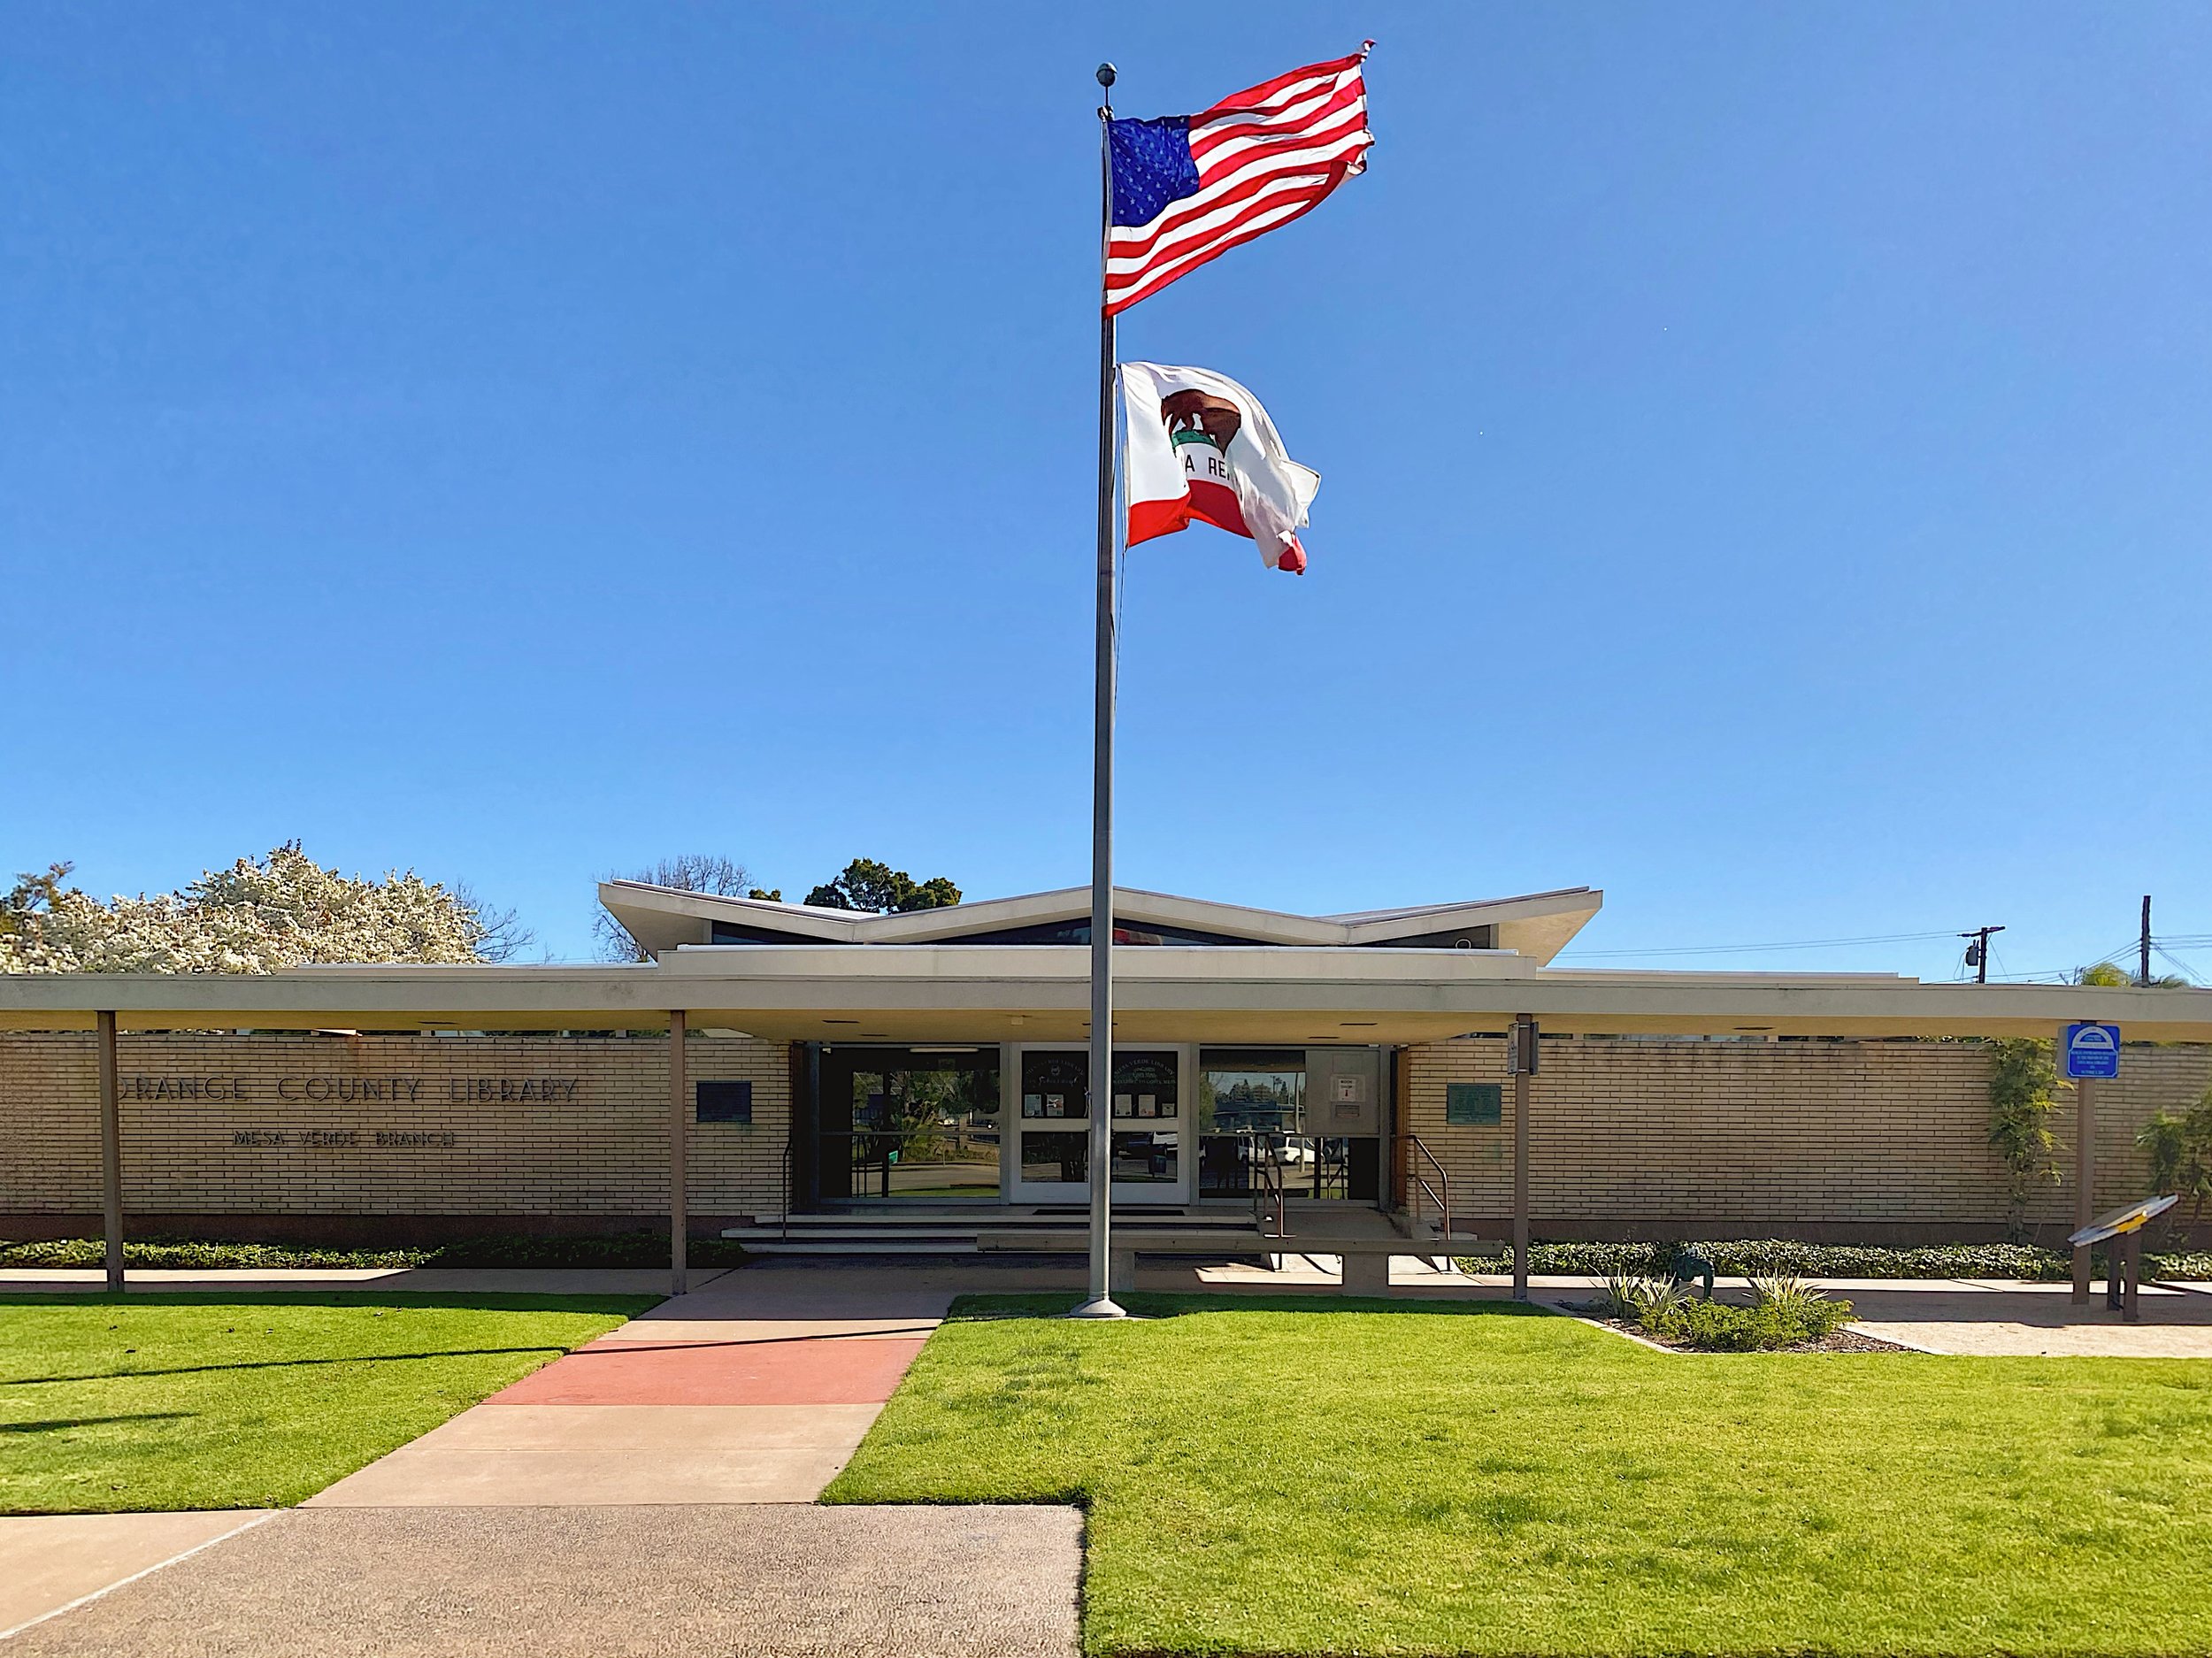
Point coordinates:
[(1189, 188)]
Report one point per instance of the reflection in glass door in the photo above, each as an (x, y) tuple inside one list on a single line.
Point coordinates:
[(920, 1125), (1311, 1117), (1053, 1153)]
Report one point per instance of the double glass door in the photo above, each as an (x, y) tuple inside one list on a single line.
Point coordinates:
[(1052, 1151)]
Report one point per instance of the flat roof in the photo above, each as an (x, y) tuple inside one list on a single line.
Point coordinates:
[(1040, 993)]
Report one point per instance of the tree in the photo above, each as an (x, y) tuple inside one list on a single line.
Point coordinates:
[(2112, 976), (868, 884), (689, 872), (2020, 1087), (2178, 1150), (257, 917)]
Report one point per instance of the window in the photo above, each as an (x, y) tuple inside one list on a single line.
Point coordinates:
[(724, 1101)]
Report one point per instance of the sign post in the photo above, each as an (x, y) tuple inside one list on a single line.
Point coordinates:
[(2088, 1053), (1520, 1063)]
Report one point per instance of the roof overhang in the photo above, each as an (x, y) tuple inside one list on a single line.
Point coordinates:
[(1041, 992), (664, 918)]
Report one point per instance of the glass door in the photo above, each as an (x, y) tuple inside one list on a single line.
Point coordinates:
[(1052, 1145), (1307, 1119), (911, 1125)]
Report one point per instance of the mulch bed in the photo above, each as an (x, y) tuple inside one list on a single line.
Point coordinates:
[(1841, 1341)]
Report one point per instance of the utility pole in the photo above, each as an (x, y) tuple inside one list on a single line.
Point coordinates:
[(1978, 952), (2143, 970)]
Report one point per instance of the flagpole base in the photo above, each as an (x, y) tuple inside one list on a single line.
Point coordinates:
[(1104, 1307)]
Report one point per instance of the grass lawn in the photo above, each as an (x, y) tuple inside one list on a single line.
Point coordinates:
[(1263, 1477), (226, 1401)]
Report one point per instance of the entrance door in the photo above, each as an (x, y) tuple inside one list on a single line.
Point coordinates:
[(912, 1125), (1309, 1119), (1051, 1159)]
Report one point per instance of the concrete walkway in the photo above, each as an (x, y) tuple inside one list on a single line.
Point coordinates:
[(721, 1580), (52, 1561), (755, 1388)]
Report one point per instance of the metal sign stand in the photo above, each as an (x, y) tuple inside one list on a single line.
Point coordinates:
[(2088, 1053)]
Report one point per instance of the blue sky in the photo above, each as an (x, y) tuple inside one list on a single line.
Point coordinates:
[(1764, 457)]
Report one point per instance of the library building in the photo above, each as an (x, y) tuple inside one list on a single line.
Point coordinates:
[(813, 1079)]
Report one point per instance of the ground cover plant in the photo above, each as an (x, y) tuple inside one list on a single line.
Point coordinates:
[(1262, 1476), (500, 1249), (1743, 1257), (1783, 1313), (201, 1401)]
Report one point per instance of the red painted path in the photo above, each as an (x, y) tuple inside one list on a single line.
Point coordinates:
[(809, 1371)]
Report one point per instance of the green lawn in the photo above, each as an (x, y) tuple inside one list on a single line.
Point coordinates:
[(1262, 1476), (226, 1401)]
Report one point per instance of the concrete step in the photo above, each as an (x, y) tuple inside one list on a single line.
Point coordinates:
[(821, 1247)]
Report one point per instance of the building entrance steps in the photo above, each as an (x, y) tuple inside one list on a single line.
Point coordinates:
[(952, 1229)]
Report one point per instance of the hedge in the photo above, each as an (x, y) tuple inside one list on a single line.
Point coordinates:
[(516, 1250), (1742, 1257)]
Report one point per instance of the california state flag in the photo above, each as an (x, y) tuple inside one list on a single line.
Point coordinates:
[(1197, 446)]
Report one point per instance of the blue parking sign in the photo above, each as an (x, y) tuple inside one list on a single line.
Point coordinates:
[(2093, 1052)]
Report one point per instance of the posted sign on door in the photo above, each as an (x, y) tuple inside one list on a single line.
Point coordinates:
[(2093, 1052)]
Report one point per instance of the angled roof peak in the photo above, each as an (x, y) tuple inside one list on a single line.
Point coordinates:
[(1536, 924)]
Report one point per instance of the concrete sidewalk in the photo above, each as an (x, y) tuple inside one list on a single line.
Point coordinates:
[(51, 1561), (733, 1581)]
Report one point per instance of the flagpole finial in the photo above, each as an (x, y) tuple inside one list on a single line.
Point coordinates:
[(1105, 75)]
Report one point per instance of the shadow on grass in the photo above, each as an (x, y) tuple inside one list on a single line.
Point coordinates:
[(59, 1423), (550, 1350), (1161, 1304), (464, 1300)]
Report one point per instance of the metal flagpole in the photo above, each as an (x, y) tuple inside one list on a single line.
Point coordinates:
[(1100, 1303)]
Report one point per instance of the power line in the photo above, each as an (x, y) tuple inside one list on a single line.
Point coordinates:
[(2188, 972), (1746, 949)]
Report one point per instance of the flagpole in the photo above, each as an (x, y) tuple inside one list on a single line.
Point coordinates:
[(1100, 1302)]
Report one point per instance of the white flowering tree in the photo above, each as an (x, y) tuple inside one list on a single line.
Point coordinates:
[(256, 917)]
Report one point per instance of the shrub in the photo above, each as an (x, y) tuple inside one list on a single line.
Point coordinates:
[(1719, 1327), (1634, 1299), (1764, 1256), (619, 1249), (2021, 1078)]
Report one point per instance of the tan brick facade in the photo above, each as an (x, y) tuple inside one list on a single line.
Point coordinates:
[(459, 1132), (419, 1136), (1879, 1142)]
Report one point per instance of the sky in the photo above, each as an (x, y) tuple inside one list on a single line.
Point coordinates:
[(1766, 456)]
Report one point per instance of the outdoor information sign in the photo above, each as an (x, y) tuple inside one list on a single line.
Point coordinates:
[(2093, 1052)]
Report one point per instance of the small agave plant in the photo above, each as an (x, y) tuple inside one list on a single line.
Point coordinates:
[(1789, 1295), (1623, 1295), (1635, 1299)]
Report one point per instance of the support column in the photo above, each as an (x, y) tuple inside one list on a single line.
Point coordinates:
[(1523, 1039), (2085, 1173), (110, 1150), (679, 1158)]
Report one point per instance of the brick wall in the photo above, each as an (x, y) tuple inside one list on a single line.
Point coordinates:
[(1876, 1141), (334, 1136), (278, 1135)]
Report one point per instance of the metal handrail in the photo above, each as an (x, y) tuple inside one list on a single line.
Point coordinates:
[(1441, 1203), (1267, 1187), (790, 1145)]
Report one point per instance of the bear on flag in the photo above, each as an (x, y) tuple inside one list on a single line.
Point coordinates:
[(1197, 447)]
